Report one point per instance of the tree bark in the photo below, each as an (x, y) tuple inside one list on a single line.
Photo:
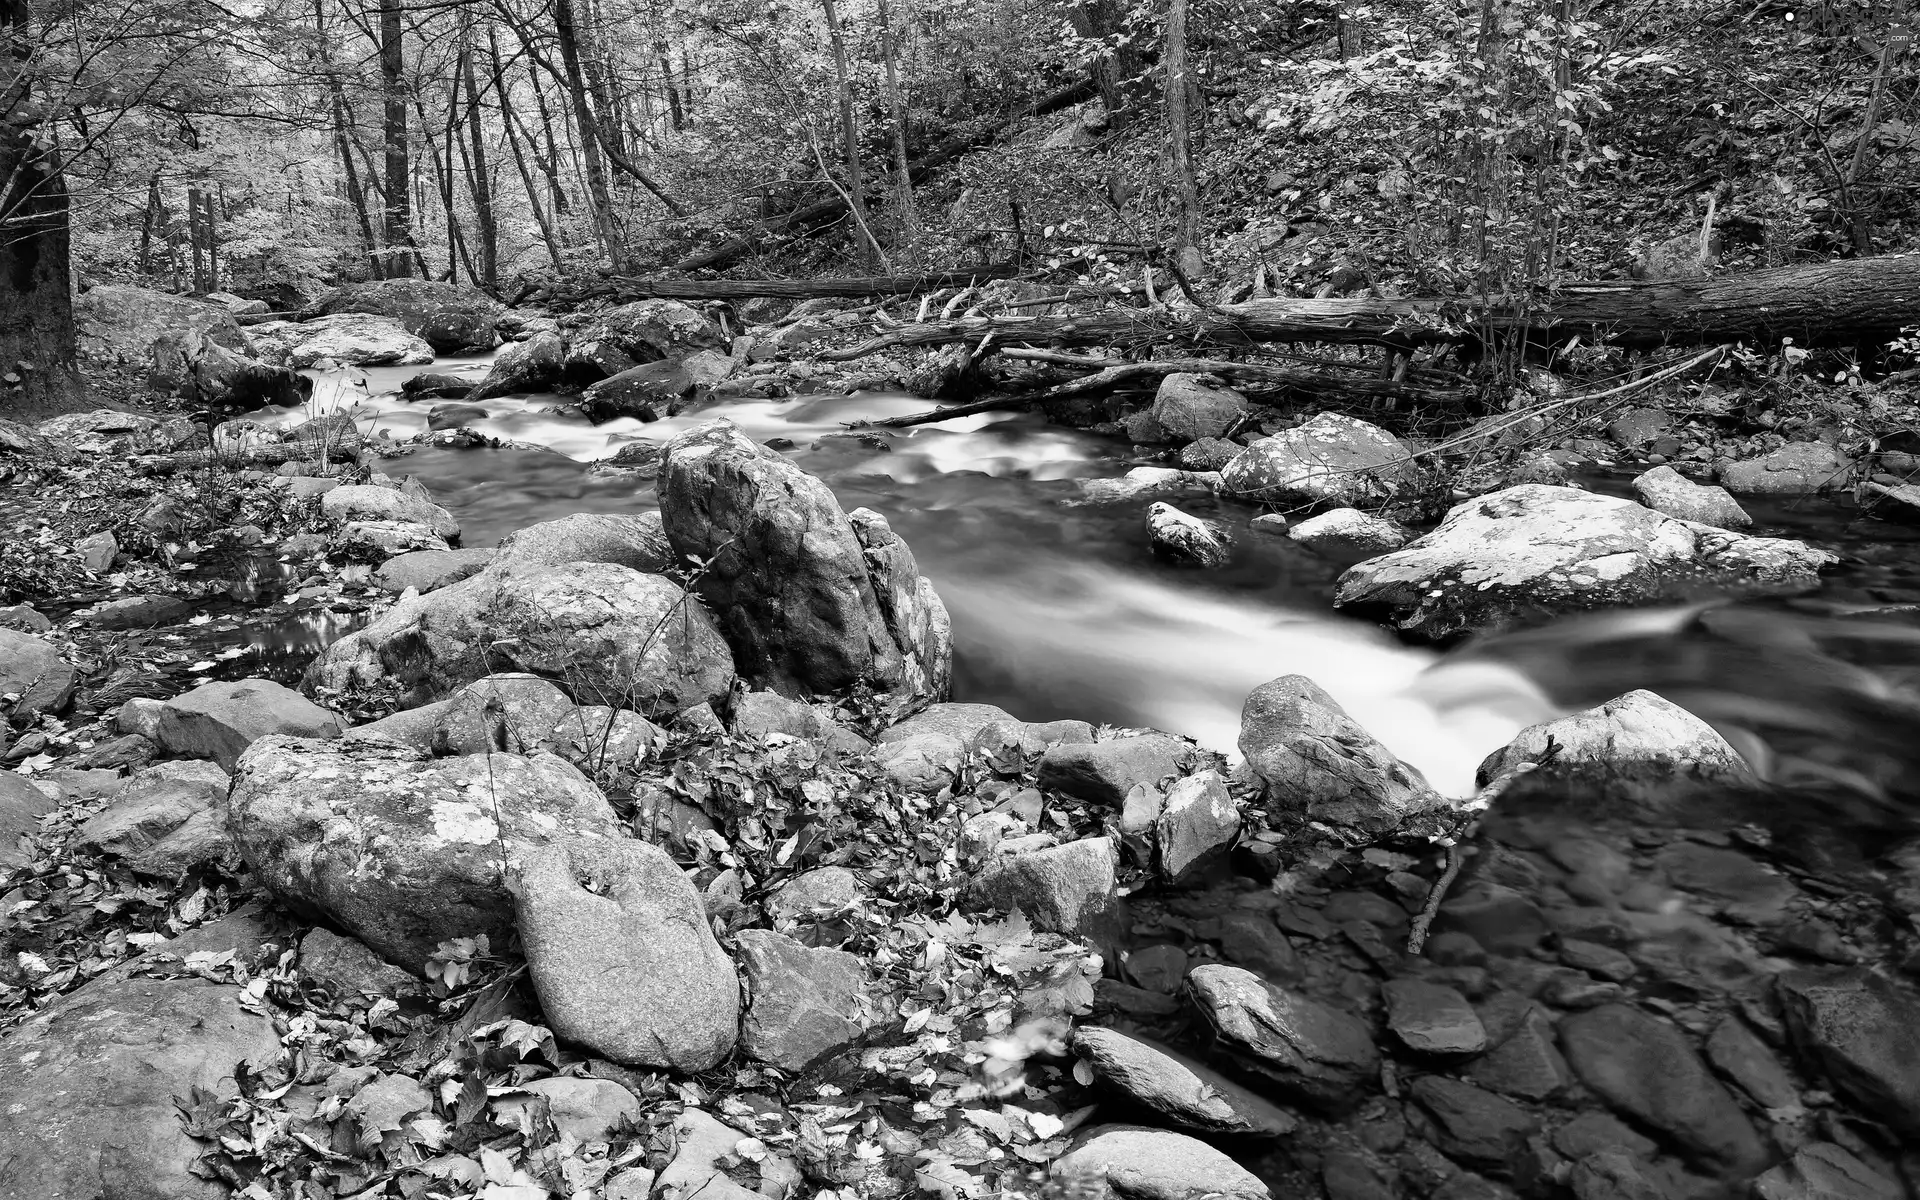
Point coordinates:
[(821, 212), (37, 339), (479, 175), (897, 101), (398, 221), (598, 193), (1843, 303), (1119, 71), (1186, 188), (850, 132), (508, 120)]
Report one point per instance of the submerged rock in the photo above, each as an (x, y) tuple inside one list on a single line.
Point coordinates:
[(1348, 533), (1535, 550), (621, 954), (1304, 1049), (1175, 1088), (811, 599), (1332, 459), (1186, 539), (1863, 1033), (1308, 756), (1148, 483), (402, 851)]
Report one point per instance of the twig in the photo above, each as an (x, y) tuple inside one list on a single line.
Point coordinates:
[(1456, 853), (1417, 935)]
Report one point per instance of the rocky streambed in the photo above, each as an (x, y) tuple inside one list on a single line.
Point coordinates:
[(648, 853)]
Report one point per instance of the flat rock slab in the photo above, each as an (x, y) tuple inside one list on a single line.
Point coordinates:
[(1304, 1049), (1138, 1163), (89, 1104), (1177, 1089), (31, 669), (1430, 1018), (805, 1000), (21, 807), (1105, 772), (1863, 1032), (1536, 550), (220, 720)]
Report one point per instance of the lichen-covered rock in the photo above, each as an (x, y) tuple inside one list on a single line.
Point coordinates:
[(621, 954), (400, 850), (1666, 490), (1308, 756), (1536, 550), (444, 315), (1795, 469), (1186, 539), (1863, 1033), (647, 330), (365, 502), (1148, 483), (810, 598), (1332, 459), (1636, 756), (606, 633), (1348, 533), (353, 339), (635, 540)]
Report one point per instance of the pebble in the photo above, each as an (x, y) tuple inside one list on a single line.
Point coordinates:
[(1475, 1125), (1596, 959)]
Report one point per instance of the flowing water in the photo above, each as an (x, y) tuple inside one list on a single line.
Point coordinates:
[(1059, 609)]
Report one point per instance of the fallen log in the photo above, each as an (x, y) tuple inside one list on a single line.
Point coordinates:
[(1843, 303), (623, 288), (1113, 374), (821, 212)]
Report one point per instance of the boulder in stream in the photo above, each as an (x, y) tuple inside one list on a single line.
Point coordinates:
[(1332, 459), (1185, 539), (1795, 469), (353, 339), (644, 392), (446, 316), (530, 366), (812, 599), (1666, 490), (649, 330), (1190, 407), (1308, 756), (1537, 550), (1348, 533)]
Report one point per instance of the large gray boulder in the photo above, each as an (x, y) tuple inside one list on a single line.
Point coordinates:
[(606, 633), (1308, 756), (351, 339), (1536, 550), (402, 851), (636, 540), (187, 347), (33, 672), (366, 502), (89, 1112), (219, 720), (530, 366), (805, 999), (446, 316), (1637, 757), (648, 330), (812, 599), (1332, 459), (1795, 469), (1190, 407), (620, 952), (1666, 490)]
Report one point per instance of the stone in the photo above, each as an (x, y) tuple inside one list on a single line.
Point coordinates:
[(113, 432), (1796, 469), (1475, 1126), (25, 619), (1863, 1033), (1535, 550), (92, 1079), (21, 807), (1644, 1068), (349, 339), (186, 347), (647, 330), (803, 1000), (33, 672), (1824, 1171), (647, 391), (961, 722), (447, 316), (1737, 1053), (1252, 940), (1175, 1088), (347, 966), (133, 612), (166, 820), (763, 714), (1148, 483), (1190, 407), (436, 385), (1636, 756), (1309, 756), (1639, 427), (97, 551), (1593, 1131), (1105, 772), (607, 744), (1305, 1050), (1331, 459), (1067, 889), (1666, 490), (922, 764), (1187, 540), (1209, 454), (1196, 825), (1615, 1175), (385, 539), (1746, 891), (533, 365), (629, 968), (219, 720), (636, 541), (1595, 959), (454, 416), (587, 1110), (1525, 1063), (1429, 1018), (514, 713), (811, 599), (426, 570), (402, 851), (823, 891), (703, 1142), (595, 627), (365, 502), (1350, 535), (1137, 1163)]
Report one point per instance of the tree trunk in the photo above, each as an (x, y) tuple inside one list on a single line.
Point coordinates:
[(624, 288), (821, 212), (598, 193), (37, 340), (343, 141), (897, 101), (1858, 301), (1185, 187), (479, 175), (508, 120), (849, 131), (591, 128), (393, 90), (1119, 72)]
